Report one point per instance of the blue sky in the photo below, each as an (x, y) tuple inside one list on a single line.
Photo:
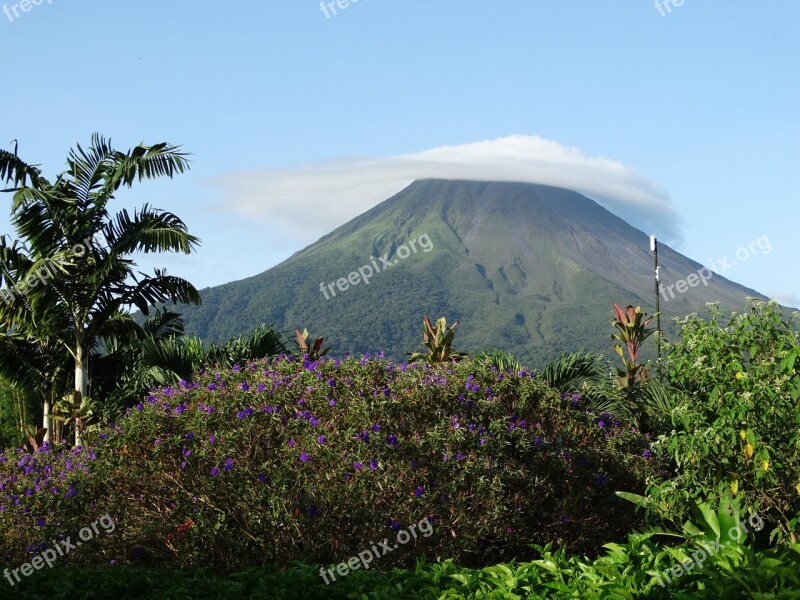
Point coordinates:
[(685, 124)]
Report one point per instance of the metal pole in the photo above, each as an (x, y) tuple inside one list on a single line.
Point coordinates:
[(654, 249)]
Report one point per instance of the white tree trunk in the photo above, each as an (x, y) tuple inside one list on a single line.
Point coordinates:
[(81, 383), (47, 422)]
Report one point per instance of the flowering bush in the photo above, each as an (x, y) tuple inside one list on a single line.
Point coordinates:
[(287, 460), (45, 496), (738, 434)]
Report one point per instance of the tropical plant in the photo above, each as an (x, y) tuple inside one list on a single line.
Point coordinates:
[(632, 331), (313, 351), (34, 369), (438, 340), (79, 253), (162, 356), (79, 413), (574, 370), (500, 360)]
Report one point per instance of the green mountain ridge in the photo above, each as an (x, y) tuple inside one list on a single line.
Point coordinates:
[(527, 268)]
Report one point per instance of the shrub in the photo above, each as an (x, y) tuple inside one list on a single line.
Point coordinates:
[(44, 496), (290, 459), (738, 433)]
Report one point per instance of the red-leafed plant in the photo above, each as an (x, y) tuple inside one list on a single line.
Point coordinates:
[(632, 331)]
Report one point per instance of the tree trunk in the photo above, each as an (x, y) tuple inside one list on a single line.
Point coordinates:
[(81, 384), (47, 422)]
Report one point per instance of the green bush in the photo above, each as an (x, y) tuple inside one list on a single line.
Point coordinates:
[(739, 432), (290, 460)]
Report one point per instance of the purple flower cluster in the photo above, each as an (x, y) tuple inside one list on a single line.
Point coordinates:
[(54, 472)]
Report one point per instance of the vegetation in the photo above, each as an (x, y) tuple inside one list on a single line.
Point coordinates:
[(438, 342), (299, 460), (626, 570), (70, 270), (738, 430)]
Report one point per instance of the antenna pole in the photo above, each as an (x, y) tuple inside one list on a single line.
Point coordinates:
[(654, 250)]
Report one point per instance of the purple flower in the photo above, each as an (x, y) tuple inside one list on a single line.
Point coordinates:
[(376, 427), (228, 464), (212, 439), (364, 437), (459, 456), (244, 386), (332, 402), (312, 511), (262, 478), (303, 456), (190, 435), (214, 471), (358, 466), (419, 491), (646, 453), (211, 387), (373, 464), (601, 423), (391, 439), (321, 440), (290, 443)]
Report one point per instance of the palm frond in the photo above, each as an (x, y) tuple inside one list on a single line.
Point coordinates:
[(17, 172), (145, 162), (148, 231), (570, 370)]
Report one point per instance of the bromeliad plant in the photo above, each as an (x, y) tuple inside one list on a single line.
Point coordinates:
[(632, 332), (438, 340)]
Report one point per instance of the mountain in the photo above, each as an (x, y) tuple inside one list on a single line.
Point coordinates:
[(528, 268)]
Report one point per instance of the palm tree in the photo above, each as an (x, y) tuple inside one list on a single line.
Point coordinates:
[(34, 369), (161, 356), (73, 275)]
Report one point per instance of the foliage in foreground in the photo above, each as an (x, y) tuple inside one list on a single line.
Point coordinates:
[(298, 460), (631, 570)]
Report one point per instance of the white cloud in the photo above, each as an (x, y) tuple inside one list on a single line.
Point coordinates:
[(302, 203), (786, 298)]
